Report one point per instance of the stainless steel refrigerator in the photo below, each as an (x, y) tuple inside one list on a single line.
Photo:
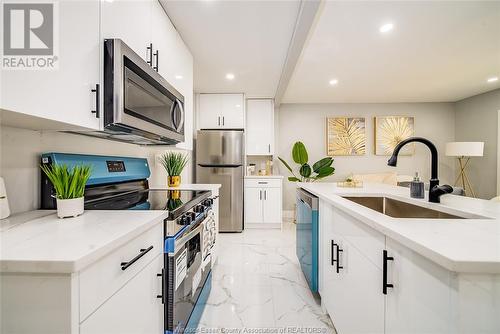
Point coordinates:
[(220, 159)]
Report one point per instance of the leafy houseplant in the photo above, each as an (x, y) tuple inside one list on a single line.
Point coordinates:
[(69, 184), (319, 170), (174, 163)]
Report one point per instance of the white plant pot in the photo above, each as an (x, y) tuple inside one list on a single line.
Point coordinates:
[(69, 207)]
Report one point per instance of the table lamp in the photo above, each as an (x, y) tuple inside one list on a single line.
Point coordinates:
[(464, 151)]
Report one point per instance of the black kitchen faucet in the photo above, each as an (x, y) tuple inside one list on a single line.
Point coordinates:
[(435, 190)]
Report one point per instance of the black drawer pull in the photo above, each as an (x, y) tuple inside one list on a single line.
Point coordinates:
[(262, 182), (155, 67), (386, 285), (150, 54), (143, 252)]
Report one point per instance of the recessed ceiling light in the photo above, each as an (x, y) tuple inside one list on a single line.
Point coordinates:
[(492, 79), (333, 82), (179, 77), (230, 76), (386, 27)]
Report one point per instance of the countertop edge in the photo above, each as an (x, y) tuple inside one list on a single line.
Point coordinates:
[(466, 267), (57, 267)]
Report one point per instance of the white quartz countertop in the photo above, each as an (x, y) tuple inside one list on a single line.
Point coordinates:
[(263, 176), (460, 245), (39, 242)]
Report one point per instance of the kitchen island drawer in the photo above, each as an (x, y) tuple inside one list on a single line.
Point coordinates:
[(263, 183), (102, 279)]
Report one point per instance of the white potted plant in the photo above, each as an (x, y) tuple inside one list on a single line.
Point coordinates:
[(174, 163), (69, 185)]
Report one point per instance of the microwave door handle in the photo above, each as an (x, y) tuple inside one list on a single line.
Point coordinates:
[(181, 109)]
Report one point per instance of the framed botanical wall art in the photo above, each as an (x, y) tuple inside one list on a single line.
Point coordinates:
[(390, 131), (345, 136)]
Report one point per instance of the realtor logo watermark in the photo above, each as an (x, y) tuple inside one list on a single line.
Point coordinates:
[(30, 36)]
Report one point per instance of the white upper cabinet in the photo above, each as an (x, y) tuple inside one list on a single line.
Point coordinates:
[(68, 94), (174, 62), (63, 94), (260, 127), (221, 111), (131, 22)]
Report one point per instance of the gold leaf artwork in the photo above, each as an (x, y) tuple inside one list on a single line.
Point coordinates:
[(346, 136), (390, 131)]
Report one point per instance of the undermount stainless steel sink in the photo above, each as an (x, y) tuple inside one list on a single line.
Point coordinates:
[(399, 209)]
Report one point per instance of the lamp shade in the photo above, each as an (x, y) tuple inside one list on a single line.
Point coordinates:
[(465, 149)]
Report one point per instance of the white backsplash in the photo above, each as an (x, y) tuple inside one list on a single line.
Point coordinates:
[(20, 151)]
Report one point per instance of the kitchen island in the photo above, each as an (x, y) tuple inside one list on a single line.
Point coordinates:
[(382, 273)]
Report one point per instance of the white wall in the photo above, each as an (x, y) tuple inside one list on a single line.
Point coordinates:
[(307, 123), (477, 120), (20, 157)]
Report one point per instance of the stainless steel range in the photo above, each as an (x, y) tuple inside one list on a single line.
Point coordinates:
[(120, 183)]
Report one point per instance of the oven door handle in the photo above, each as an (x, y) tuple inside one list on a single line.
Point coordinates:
[(185, 238)]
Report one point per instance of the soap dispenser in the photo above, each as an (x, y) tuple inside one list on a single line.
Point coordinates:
[(416, 187)]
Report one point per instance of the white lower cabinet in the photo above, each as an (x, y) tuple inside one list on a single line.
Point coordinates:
[(355, 303), (420, 295), (421, 300), (146, 315), (263, 203)]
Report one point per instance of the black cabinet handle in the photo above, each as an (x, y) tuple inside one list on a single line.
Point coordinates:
[(265, 195), (162, 286), (386, 285), (333, 252), (218, 121), (339, 250), (97, 101), (269, 148), (150, 53), (155, 67), (143, 252), (222, 120), (262, 182)]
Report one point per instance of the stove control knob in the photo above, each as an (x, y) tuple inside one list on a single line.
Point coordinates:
[(208, 202), (192, 215), (199, 208), (184, 220)]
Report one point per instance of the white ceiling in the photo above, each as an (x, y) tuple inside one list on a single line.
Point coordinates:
[(247, 38), (437, 51)]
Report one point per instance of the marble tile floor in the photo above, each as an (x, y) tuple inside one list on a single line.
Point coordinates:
[(258, 285)]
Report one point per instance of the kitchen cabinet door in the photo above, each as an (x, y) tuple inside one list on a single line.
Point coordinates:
[(209, 111), (232, 108), (260, 127), (253, 205), (63, 94), (421, 300), (129, 21), (133, 309), (174, 62), (272, 205), (350, 284)]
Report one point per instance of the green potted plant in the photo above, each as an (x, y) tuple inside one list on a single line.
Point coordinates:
[(319, 170), (174, 163), (69, 184)]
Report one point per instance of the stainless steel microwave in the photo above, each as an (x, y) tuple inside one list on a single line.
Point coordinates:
[(139, 104)]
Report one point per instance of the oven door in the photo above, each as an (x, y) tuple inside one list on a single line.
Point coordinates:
[(187, 274)]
